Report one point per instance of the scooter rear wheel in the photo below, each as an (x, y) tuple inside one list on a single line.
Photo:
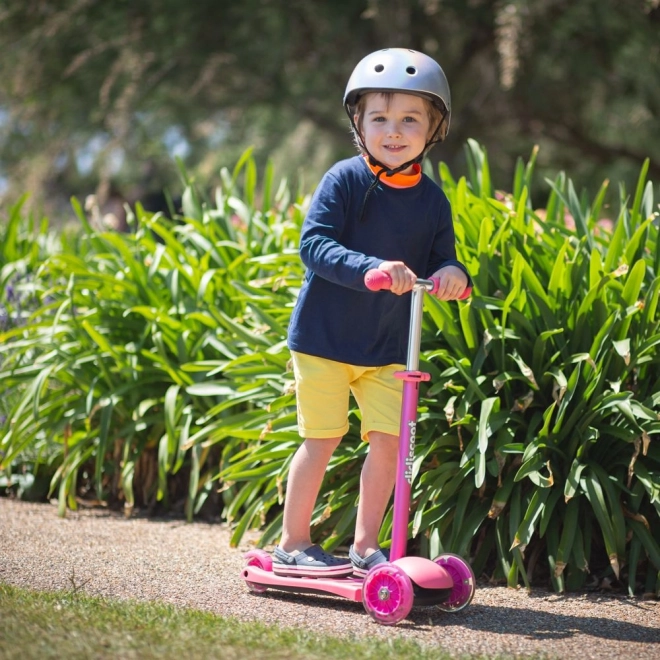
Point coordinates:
[(262, 560), (387, 594), (464, 582)]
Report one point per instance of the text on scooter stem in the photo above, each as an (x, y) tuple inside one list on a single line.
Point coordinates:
[(410, 459)]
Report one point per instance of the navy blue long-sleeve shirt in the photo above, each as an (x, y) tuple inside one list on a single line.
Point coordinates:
[(336, 316)]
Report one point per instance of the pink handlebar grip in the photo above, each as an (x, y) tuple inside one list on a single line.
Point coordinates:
[(377, 280)]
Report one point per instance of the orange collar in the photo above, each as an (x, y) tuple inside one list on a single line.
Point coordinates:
[(398, 180)]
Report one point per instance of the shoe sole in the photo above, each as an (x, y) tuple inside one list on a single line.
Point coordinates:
[(359, 572), (303, 571)]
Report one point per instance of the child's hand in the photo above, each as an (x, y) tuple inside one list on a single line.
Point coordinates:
[(452, 283), (403, 279)]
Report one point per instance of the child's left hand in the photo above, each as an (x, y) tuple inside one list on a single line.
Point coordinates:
[(452, 283)]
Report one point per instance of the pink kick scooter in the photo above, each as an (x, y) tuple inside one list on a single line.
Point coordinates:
[(389, 590)]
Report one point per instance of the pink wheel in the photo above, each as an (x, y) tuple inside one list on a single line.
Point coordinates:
[(464, 582), (262, 560), (387, 594)]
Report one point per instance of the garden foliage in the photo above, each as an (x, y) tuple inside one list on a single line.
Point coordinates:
[(154, 369)]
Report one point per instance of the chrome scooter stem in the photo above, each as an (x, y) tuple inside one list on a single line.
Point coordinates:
[(416, 312)]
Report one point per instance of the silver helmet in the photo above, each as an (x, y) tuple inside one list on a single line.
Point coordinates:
[(400, 70)]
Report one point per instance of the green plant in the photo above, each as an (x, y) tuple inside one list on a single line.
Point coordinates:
[(24, 245), (545, 387), (116, 366), (535, 433), (155, 369)]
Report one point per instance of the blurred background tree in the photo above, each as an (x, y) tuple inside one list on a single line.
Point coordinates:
[(100, 96)]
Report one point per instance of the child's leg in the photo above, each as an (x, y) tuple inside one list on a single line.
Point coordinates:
[(376, 485), (305, 477)]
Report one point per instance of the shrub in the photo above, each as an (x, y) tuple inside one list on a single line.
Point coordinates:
[(156, 367), (535, 432), (115, 368), (545, 386)]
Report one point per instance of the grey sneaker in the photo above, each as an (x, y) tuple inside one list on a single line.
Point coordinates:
[(313, 562), (362, 565)]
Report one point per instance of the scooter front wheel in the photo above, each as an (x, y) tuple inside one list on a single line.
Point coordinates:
[(387, 594), (262, 560), (464, 582)]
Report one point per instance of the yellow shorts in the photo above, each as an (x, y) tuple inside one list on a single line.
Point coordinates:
[(322, 396)]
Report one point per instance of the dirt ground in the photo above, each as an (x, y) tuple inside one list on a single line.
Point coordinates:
[(191, 565)]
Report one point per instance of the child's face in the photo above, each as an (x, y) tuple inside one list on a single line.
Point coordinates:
[(394, 127)]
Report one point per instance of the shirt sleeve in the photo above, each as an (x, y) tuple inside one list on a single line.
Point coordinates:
[(321, 248)]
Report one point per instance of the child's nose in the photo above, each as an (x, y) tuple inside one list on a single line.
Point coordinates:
[(393, 129)]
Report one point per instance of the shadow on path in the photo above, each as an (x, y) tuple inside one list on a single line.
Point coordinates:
[(547, 625), (495, 619)]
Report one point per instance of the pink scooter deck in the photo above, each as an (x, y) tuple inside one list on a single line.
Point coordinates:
[(423, 572), (350, 588)]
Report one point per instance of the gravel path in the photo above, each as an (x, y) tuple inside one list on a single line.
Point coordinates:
[(192, 565)]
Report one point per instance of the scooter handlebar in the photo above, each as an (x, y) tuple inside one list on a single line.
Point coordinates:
[(379, 280)]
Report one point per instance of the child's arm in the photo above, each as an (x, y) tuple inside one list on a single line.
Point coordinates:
[(322, 248)]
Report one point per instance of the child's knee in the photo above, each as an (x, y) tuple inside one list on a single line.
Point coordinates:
[(321, 445), (383, 443)]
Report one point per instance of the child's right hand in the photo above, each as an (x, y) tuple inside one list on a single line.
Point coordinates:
[(403, 279)]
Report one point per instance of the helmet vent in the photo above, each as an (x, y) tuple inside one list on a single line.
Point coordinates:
[(379, 68), (411, 70)]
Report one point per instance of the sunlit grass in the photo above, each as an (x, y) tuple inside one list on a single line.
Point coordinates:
[(72, 625)]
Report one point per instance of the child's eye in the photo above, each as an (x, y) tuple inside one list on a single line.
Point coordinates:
[(409, 120)]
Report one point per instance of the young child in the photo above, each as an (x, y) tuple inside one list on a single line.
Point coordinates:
[(375, 210)]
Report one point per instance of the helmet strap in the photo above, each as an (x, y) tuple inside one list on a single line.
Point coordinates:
[(370, 189)]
